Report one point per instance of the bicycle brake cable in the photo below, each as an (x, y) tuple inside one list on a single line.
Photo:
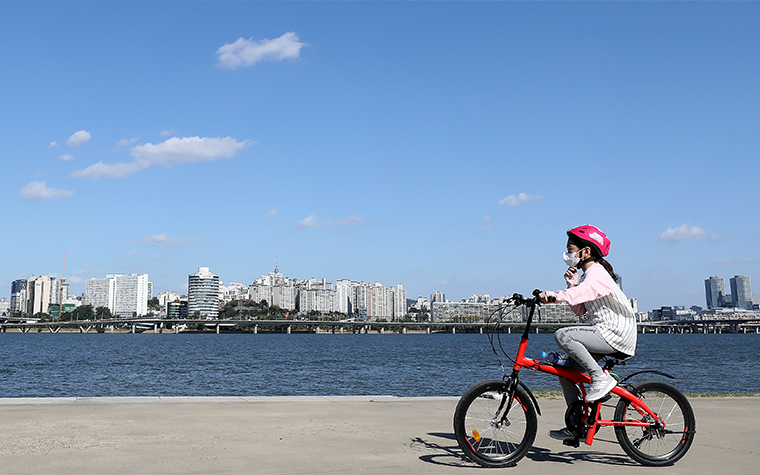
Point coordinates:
[(498, 338)]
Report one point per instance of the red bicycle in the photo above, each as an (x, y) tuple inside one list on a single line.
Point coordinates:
[(496, 421)]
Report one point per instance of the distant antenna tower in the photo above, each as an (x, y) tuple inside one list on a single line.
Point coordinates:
[(60, 290)]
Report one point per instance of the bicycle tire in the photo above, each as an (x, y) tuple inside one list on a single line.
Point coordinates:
[(656, 446), (483, 437)]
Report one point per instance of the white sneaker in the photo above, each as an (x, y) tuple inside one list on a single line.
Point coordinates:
[(600, 388)]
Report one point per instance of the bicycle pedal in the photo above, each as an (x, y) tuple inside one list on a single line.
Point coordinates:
[(605, 398)]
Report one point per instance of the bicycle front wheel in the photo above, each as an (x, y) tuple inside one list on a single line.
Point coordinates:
[(657, 444), (489, 430)]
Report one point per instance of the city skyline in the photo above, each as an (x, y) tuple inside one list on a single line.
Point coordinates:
[(367, 140), (715, 295)]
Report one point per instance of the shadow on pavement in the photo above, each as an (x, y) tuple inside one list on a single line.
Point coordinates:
[(539, 454), (442, 449), (444, 452)]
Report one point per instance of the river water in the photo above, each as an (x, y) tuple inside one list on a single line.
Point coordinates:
[(82, 365)]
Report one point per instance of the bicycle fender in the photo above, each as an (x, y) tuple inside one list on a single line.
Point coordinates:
[(532, 397), (650, 371)]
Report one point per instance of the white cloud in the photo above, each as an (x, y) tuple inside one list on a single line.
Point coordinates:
[(248, 52), (66, 157), (125, 142), (131, 254), (486, 226), (38, 191), (514, 200), (163, 241), (350, 221), (172, 151), (309, 222), (272, 212), (79, 138), (687, 231), (167, 132), (53, 144)]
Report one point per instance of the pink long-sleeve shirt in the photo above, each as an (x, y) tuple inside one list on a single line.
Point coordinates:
[(606, 306)]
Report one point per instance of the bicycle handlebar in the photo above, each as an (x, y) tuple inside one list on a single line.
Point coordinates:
[(518, 299)]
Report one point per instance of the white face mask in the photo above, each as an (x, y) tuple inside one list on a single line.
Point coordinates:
[(570, 260)]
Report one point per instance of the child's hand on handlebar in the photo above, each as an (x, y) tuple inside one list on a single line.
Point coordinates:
[(545, 298)]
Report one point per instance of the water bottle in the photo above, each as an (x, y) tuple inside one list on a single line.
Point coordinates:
[(555, 358)]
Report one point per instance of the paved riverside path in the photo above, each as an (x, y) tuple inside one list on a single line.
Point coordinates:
[(314, 435)]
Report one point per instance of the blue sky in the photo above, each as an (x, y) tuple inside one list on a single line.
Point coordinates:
[(445, 146)]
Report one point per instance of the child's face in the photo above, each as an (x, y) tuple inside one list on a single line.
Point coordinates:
[(572, 249)]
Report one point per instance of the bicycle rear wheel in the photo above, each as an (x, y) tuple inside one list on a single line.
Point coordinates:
[(662, 444), (488, 430)]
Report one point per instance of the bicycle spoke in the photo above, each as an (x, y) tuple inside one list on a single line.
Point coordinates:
[(666, 437)]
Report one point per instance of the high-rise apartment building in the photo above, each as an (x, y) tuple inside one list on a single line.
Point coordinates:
[(346, 295), (98, 293), (203, 294), (276, 290), (40, 293), (125, 295), (741, 292), (18, 296), (715, 292), (371, 300), (131, 295), (437, 296)]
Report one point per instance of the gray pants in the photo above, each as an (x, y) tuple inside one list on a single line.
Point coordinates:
[(580, 343)]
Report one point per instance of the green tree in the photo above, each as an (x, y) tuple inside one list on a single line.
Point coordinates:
[(44, 317), (153, 303), (103, 313)]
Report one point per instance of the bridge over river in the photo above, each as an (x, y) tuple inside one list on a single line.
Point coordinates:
[(162, 325)]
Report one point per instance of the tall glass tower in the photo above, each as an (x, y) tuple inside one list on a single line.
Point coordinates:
[(714, 292), (741, 292)]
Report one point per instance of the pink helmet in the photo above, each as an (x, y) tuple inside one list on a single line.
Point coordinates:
[(593, 237)]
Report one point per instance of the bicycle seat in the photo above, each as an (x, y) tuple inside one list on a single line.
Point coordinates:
[(617, 357)]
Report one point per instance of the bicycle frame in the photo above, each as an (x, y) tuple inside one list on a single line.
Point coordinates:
[(581, 379)]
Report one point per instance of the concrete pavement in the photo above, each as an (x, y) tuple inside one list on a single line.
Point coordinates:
[(316, 435)]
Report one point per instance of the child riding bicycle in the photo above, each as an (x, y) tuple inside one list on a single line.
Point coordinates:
[(611, 328)]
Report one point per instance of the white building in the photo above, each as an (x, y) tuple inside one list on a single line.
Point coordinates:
[(40, 293), (464, 311), (276, 290), (166, 297), (317, 299), (437, 296), (371, 300), (99, 293), (5, 306), (131, 294), (422, 303), (203, 294), (125, 295), (232, 291)]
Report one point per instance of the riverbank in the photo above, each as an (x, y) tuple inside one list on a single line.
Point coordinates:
[(322, 435)]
